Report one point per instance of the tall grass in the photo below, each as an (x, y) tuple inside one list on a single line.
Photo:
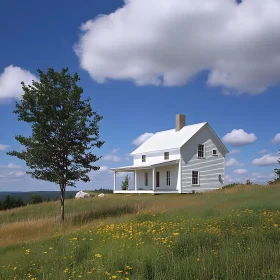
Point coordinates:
[(227, 234)]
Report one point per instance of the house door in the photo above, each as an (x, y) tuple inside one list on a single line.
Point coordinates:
[(157, 179)]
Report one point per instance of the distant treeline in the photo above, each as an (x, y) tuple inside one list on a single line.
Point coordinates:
[(26, 196), (11, 202), (104, 191)]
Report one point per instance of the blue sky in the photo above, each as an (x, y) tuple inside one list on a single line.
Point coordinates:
[(142, 63)]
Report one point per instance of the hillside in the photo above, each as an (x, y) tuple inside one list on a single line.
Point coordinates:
[(198, 236)]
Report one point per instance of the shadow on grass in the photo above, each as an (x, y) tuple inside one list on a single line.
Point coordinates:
[(87, 216)]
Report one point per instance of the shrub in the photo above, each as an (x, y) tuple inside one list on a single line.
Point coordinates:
[(248, 182), (20, 202), (35, 199), (125, 183), (10, 203)]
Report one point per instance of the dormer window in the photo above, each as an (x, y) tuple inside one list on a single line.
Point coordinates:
[(200, 151), (166, 155), (143, 158)]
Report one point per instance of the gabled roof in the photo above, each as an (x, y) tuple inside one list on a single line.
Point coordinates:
[(169, 139)]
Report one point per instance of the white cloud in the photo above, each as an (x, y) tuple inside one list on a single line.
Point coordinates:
[(238, 137), (17, 174), (259, 176), (233, 162), (142, 138), (228, 179), (10, 82), (269, 159), (102, 169), (167, 42), (12, 165), (276, 139), (239, 171), (112, 156), (234, 151), (3, 147), (12, 175), (263, 151), (96, 173)]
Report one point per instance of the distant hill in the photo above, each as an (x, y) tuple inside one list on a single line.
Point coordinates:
[(45, 194)]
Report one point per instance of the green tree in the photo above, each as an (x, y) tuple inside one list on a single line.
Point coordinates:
[(9, 202), (125, 183), (64, 130), (20, 202), (277, 171), (277, 174), (36, 199), (248, 182)]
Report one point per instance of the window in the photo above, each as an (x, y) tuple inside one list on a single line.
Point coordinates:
[(146, 179), (200, 151), (166, 155), (143, 158), (167, 178), (214, 153), (195, 178)]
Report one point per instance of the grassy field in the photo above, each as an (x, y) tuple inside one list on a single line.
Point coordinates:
[(226, 234)]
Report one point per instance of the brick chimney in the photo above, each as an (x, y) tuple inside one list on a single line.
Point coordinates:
[(180, 122)]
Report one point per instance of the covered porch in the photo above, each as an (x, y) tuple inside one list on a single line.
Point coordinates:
[(153, 178)]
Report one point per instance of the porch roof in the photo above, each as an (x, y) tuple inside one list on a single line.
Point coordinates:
[(144, 166)]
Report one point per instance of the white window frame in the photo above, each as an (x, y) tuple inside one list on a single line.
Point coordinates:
[(213, 152), (143, 158), (146, 179), (168, 178), (198, 178), (204, 152)]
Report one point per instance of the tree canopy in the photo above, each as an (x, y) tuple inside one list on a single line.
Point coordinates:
[(64, 127)]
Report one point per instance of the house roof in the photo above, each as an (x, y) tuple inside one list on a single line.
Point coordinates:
[(169, 139), (145, 165)]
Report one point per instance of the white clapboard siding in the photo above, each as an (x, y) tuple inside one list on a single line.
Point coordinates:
[(158, 156), (211, 168)]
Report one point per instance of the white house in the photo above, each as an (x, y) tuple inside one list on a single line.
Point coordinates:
[(189, 158)]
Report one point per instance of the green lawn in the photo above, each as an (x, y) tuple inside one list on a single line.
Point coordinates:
[(227, 234)]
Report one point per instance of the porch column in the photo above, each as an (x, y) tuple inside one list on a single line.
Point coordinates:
[(135, 180), (153, 179), (115, 180), (180, 175)]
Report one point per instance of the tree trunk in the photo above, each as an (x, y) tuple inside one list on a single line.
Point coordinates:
[(62, 194)]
